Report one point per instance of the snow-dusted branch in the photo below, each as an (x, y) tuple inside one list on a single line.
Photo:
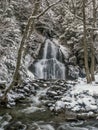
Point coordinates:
[(78, 17), (42, 13)]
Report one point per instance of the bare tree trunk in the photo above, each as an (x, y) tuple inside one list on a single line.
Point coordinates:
[(92, 43), (85, 46), (3, 5), (26, 35), (92, 57), (19, 57)]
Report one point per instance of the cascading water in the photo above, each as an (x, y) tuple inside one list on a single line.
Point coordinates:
[(50, 66)]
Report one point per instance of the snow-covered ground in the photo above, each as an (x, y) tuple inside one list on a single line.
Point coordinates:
[(77, 96), (81, 97), (73, 96)]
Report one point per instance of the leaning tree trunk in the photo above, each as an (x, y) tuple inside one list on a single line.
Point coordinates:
[(85, 46), (19, 57), (28, 30)]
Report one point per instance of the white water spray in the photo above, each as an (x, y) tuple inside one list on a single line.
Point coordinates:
[(50, 66)]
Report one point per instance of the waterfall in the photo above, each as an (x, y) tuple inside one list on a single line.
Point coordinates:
[(50, 66)]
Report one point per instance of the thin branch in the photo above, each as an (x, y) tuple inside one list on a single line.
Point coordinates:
[(42, 13), (47, 2), (78, 17)]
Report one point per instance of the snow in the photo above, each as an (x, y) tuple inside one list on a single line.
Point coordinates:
[(31, 76), (47, 127), (80, 97), (2, 82), (82, 86), (36, 102), (59, 105)]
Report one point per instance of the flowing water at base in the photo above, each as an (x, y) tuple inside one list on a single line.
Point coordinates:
[(16, 119)]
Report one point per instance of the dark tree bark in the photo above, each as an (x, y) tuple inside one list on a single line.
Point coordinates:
[(85, 46), (92, 42)]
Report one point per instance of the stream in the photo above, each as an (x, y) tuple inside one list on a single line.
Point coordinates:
[(16, 119), (34, 116)]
